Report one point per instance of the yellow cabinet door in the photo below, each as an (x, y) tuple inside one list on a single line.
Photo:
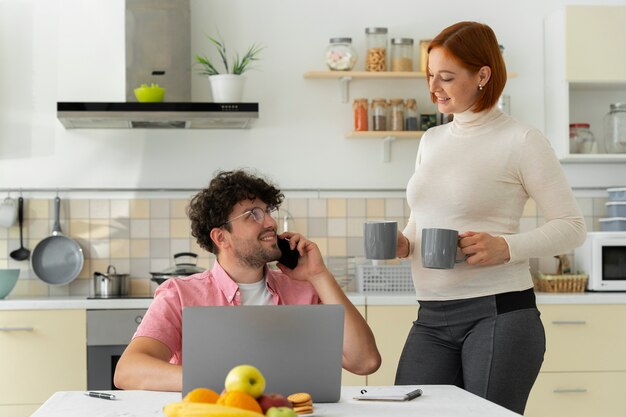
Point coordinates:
[(578, 394), (595, 43), (42, 352), (391, 325), (588, 337), (18, 410), (348, 378)]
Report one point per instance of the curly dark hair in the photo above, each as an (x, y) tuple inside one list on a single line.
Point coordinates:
[(212, 206)]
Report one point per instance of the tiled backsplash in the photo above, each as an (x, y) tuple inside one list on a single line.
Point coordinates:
[(138, 236)]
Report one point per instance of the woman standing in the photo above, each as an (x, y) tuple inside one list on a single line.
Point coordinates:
[(478, 325)]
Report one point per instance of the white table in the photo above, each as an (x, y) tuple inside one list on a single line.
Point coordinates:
[(437, 401)]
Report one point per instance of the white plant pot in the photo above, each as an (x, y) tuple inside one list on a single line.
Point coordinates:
[(227, 88)]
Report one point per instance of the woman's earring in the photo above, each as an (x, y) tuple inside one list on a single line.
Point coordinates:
[(480, 87)]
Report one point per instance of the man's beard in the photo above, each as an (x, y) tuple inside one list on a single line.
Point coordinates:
[(255, 255)]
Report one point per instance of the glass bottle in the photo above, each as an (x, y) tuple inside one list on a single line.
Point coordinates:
[(402, 54), (410, 108), (360, 115), (581, 139), (340, 55), (379, 114), (376, 43), (615, 129), (396, 114)]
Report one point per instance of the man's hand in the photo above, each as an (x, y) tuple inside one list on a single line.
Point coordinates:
[(484, 249), (310, 264)]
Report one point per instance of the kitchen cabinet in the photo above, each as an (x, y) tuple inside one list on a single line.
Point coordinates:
[(43, 351), (585, 67), (584, 370), (348, 378), (391, 325)]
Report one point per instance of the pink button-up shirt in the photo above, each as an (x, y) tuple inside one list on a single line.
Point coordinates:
[(164, 319)]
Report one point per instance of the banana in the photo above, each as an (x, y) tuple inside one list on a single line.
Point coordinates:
[(190, 409)]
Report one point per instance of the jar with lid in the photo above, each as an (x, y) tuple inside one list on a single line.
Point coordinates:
[(615, 129), (360, 114), (424, 44), (379, 114), (340, 55), (581, 139), (376, 43), (396, 114), (402, 54), (410, 109)]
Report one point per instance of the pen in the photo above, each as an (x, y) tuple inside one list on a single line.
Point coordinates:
[(102, 395)]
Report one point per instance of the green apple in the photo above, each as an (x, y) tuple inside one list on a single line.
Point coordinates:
[(280, 412), (246, 378)]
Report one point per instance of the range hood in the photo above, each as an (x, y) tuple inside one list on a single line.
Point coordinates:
[(158, 50), (157, 115)]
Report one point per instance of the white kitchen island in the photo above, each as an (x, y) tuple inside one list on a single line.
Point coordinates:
[(437, 400)]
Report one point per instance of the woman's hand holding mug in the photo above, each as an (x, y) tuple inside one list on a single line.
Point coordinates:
[(484, 249)]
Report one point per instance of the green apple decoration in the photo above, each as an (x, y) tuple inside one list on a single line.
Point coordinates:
[(246, 378), (280, 412)]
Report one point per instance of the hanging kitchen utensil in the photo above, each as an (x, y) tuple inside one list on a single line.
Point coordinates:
[(21, 253), (8, 212), (57, 260), (185, 265)]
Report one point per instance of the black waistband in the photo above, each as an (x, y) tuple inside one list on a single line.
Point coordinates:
[(515, 300)]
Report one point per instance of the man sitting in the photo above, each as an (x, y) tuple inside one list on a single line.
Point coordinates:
[(232, 219)]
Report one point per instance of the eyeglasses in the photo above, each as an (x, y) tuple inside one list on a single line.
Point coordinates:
[(257, 213)]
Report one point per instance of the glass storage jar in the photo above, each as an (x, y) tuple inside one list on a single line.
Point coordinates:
[(396, 114), (379, 114), (340, 55), (410, 108), (402, 54), (581, 139), (360, 115), (424, 43), (376, 43), (615, 129)]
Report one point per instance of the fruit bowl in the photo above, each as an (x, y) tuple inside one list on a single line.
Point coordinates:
[(150, 94), (8, 279)]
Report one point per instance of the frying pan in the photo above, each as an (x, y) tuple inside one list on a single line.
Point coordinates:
[(57, 260)]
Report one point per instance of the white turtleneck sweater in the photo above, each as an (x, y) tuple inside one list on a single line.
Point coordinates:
[(476, 174)]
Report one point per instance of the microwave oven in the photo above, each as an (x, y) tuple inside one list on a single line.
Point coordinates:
[(603, 258)]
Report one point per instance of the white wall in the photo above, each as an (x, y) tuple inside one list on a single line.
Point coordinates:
[(73, 50)]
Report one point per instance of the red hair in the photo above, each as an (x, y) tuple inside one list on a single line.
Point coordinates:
[(474, 45)]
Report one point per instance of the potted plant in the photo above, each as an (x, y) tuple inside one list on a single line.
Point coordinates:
[(227, 86)]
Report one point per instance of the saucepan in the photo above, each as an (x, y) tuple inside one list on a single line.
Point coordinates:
[(110, 284), (58, 259)]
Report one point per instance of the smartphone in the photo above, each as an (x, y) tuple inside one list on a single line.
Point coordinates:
[(289, 257)]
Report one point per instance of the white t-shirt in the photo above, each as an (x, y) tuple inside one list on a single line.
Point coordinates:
[(476, 174), (255, 294)]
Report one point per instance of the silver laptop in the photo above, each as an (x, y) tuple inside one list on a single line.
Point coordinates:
[(297, 348)]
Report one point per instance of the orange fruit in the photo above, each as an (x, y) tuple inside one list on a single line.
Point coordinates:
[(240, 399), (202, 395)]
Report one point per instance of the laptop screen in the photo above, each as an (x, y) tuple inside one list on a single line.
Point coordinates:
[(297, 348)]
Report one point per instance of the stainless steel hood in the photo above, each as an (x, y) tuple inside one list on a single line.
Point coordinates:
[(76, 115), (158, 50)]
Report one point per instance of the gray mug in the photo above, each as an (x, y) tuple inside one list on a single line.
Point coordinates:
[(439, 248), (380, 239)]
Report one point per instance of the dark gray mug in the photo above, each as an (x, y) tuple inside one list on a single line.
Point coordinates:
[(380, 239), (439, 248)]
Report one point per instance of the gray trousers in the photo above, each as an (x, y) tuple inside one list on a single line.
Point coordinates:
[(491, 346)]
